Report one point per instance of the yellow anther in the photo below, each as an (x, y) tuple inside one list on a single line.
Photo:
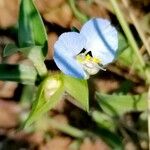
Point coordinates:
[(79, 58), (96, 60), (88, 57)]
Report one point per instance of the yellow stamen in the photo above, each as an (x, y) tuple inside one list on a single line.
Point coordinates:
[(88, 57), (79, 58), (96, 60)]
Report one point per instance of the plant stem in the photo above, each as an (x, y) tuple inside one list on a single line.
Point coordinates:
[(79, 15), (41, 69), (136, 24), (149, 116), (127, 31), (35, 54), (134, 46), (130, 37), (74, 132)]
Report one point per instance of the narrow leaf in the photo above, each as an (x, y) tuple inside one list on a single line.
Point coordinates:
[(9, 49), (119, 104), (49, 94), (34, 53), (78, 89), (122, 43), (31, 27), (127, 58), (20, 73), (27, 95), (112, 139), (103, 120)]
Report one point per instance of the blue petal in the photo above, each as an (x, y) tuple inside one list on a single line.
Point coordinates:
[(102, 39), (71, 43), (65, 49)]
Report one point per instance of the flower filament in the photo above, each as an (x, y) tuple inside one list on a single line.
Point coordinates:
[(90, 64)]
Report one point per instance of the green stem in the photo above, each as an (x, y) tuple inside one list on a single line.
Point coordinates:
[(79, 15), (127, 31), (130, 37), (134, 46), (149, 116), (41, 69), (19, 73), (74, 132), (35, 54), (27, 95), (137, 26)]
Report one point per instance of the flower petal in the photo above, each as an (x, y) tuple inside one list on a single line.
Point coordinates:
[(102, 39), (71, 43), (65, 49)]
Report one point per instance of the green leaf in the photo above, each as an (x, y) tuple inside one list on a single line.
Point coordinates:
[(119, 104), (78, 89), (10, 49), (31, 28), (112, 139), (27, 95), (74, 29), (127, 59), (126, 56), (48, 95), (103, 120), (78, 14), (34, 53), (122, 44), (31, 33), (19, 73)]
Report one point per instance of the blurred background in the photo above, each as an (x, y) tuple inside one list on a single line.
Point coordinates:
[(66, 125)]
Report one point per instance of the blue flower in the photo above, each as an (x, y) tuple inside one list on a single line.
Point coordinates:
[(83, 54)]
